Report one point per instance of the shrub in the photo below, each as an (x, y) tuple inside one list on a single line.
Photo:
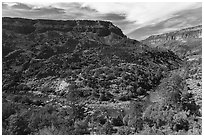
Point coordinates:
[(124, 131), (103, 32), (23, 87), (51, 130), (77, 111), (188, 104), (195, 127), (26, 100), (158, 115), (106, 129), (38, 102), (117, 121), (43, 117), (18, 125), (17, 98), (134, 115), (180, 121), (46, 89), (124, 98), (7, 110), (81, 127), (105, 96)]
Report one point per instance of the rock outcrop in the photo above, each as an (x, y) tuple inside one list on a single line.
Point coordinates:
[(27, 26), (186, 43), (180, 35)]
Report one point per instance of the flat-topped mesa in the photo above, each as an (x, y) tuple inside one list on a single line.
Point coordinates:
[(181, 35), (26, 26)]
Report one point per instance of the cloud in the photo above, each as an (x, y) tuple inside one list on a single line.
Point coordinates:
[(4, 6), (113, 16), (21, 6), (48, 10), (137, 20), (30, 11), (182, 19), (142, 13)]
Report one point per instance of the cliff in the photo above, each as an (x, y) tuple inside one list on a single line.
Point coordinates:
[(187, 43), (27, 26), (180, 35)]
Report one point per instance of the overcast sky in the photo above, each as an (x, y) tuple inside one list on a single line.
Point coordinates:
[(137, 20)]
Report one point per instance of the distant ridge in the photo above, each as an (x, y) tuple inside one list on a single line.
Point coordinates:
[(190, 32), (186, 43)]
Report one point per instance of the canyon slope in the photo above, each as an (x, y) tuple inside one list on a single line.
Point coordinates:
[(187, 44), (87, 77), (43, 48), (184, 42)]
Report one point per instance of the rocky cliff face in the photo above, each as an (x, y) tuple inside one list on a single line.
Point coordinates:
[(180, 35), (187, 43), (26, 26)]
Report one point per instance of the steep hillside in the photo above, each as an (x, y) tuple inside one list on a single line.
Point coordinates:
[(50, 48), (84, 77), (186, 42)]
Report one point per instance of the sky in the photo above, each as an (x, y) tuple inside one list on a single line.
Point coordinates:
[(138, 20)]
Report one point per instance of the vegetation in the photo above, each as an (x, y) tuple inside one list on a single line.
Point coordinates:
[(89, 78)]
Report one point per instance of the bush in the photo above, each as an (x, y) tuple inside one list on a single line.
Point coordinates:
[(17, 98), (180, 121), (7, 110), (106, 129), (195, 126), (47, 89), (43, 117), (124, 98), (117, 121), (125, 131), (26, 100), (188, 104), (23, 87), (103, 32), (51, 130), (134, 115), (18, 125), (163, 130)]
